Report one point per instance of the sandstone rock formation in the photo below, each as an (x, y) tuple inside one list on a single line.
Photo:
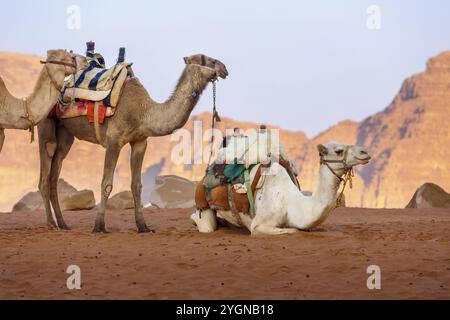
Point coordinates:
[(121, 201), (407, 141), (69, 199), (430, 195), (30, 202), (173, 192)]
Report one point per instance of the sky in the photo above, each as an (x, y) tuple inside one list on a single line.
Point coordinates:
[(302, 65)]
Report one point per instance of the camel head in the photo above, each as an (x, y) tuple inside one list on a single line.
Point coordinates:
[(59, 64), (207, 62), (340, 157), (61, 56)]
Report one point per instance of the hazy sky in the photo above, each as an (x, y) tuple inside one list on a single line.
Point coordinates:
[(303, 65)]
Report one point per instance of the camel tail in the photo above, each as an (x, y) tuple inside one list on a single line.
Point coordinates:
[(2, 138)]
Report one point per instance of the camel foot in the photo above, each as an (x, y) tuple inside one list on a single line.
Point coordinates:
[(99, 228), (145, 229), (51, 225), (207, 223), (63, 226)]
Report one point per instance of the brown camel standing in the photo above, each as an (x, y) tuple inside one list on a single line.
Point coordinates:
[(137, 118), (24, 113)]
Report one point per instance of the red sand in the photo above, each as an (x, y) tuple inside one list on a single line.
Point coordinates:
[(411, 246)]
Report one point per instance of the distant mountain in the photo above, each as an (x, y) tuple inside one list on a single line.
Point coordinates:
[(409, 142)]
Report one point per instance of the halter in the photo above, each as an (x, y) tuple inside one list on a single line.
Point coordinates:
[(203, 64), (67, 64), (61, 63), (347, 175)]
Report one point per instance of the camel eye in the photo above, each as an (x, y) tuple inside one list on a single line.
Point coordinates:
[(339, 152)]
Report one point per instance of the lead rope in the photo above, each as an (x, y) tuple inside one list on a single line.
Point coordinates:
[(348, 176), (215, 118)]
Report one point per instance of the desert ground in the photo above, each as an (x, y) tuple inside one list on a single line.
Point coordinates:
[(411, 246)]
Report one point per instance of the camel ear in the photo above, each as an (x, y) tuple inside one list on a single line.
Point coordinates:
[(185, 60), (323, 151)]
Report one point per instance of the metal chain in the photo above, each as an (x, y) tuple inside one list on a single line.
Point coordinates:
[(215, 113), (215, 116)]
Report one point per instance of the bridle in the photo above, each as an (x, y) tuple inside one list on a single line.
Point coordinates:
[(28, 115), (203, 64), (345, 177), (61, 63)]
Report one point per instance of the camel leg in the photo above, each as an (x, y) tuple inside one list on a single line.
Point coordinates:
[(64, 143), (206, 222), (264, 229), (111, 156), (47, 148), (137, 157), (2, 138)]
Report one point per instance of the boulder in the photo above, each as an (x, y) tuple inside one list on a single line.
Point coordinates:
[(121, 201), (430, 195), (69, 199), (173, 192), (30, 202)]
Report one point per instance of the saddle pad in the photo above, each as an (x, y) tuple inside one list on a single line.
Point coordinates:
[(96, 84), (219, 196), (83, 108)]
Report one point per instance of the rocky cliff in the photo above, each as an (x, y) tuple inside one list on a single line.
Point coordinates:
[(408, 140)]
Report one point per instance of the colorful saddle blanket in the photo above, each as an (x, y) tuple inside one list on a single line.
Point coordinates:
[(96, 84), (84, 108)]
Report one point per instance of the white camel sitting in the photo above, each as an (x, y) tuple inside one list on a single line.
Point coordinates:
[(280, 206)]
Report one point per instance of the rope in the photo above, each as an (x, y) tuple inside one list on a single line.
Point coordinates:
[(29, 118), (250, 197), (348, 176)]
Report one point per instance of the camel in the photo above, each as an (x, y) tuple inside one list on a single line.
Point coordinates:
[(25, 113), (281, 208), (137, 118)]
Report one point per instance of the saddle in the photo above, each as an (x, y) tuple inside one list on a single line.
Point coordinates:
[(215, 191), (96, 84), (93, 92)]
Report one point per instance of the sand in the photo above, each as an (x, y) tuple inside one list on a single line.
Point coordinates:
[(411, 246)]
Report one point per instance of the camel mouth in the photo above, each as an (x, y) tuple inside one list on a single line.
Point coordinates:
[(364, 160)]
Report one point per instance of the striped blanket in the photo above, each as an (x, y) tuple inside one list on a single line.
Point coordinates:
[(96, 84)]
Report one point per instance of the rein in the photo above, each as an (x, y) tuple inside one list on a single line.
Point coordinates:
[(347, 176), (67, 64)]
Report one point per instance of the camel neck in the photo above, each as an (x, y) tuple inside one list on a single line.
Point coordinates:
[(327, 186), (165, 118), (308, 212), (44, 96), (39, 103)]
